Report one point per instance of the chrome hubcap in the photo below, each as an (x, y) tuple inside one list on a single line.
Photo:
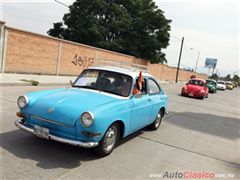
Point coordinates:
[(110, 138), (158, 120)]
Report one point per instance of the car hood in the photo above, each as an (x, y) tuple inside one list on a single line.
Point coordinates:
[(210, 86), (193, 88), (221, 85), (66, 106)]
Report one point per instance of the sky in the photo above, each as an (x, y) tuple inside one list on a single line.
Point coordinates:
[(209, 27)]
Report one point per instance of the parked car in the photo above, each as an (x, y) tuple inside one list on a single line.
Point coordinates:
[(195, 88), (235, 84), (221, 85), (211, 85), (229, 85), (98, 110)]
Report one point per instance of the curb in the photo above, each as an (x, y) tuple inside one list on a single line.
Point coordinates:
[(29, 84)]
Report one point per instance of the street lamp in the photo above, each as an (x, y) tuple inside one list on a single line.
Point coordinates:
[(197, 57)]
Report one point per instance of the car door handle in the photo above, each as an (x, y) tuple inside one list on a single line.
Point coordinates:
[(149, 99)]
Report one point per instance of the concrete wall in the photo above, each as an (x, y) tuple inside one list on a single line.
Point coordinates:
[(26, 52)]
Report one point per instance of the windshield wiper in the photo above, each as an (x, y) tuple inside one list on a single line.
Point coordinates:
[(87, 87)]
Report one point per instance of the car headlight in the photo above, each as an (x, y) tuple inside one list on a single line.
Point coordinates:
[(184, 88), (22, 101), (87, 119)]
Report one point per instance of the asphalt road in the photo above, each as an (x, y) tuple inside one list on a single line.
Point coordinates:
[(197, 135)]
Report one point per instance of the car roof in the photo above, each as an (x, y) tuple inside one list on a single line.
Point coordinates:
[(133, 72), (211, 80)]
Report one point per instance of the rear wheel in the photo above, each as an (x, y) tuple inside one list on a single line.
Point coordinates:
[(207, 95), (109, 141), (156, 124)]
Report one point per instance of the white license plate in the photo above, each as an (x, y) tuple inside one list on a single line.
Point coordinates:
[(41, 132), (191, 94)]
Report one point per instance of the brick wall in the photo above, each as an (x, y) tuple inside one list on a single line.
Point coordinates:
[(27, 52)]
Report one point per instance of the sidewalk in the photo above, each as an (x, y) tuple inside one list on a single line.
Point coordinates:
[(7, 79), (44, 80)]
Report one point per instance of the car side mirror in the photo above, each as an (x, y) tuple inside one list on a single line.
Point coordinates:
[(71, 82)]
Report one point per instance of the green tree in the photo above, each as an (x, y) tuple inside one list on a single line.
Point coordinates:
[(214, 76), (134, 27), (228, 77), (236, 78)]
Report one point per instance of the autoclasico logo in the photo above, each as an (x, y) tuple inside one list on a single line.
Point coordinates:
[(191, 175)]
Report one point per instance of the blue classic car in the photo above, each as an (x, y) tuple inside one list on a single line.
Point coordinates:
[(103, 105)]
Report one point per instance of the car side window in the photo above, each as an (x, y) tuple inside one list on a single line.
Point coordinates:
[(153, 87), (136, 89)]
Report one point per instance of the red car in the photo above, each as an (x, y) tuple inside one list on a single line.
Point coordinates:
[(195, 88)]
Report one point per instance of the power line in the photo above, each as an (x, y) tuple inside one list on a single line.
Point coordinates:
[(62, 3)]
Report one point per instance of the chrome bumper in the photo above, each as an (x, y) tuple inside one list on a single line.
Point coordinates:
[(20, 125)]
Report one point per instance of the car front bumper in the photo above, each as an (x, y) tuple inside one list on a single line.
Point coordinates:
[(221, 88), (212, 90), (22, 126), (196, 95)]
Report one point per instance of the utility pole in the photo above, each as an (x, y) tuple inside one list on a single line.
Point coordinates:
[(213, 70), (179, 60)]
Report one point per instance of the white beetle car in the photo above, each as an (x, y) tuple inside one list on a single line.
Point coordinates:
[(221, 85)]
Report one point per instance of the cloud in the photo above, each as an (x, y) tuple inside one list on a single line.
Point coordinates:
[(33, 16), (212, 27), (223, 48)]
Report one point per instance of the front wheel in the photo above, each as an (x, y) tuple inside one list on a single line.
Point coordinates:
[(109, 141), (156, 124)]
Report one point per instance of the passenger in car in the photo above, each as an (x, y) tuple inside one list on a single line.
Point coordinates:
[(140, 86)]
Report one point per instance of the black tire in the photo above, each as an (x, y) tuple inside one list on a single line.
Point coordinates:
[(101, 149), (207, 95), (156, 124)]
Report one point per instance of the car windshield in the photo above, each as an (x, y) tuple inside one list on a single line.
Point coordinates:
[(196, 82), (220, 82), (210, 82), (106, 81)]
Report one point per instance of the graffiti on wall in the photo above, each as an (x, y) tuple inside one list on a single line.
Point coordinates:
[(82, 61)]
